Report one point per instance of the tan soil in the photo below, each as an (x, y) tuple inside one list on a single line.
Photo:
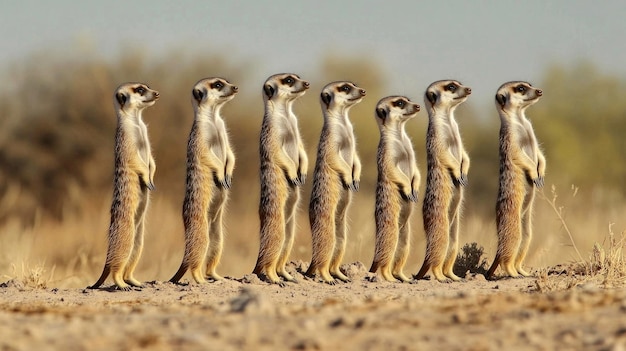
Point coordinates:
[(366, 314)]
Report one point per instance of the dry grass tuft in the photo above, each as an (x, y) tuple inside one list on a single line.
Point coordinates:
[(31, 277), (607, 260)]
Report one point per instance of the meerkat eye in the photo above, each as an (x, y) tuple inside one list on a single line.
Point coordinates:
[(521, 89), (140, 90), (289, 80), (451, 88), (218, 85), (399, 103), (345, 88)]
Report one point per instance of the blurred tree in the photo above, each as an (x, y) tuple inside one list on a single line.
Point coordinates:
[(581, 122)]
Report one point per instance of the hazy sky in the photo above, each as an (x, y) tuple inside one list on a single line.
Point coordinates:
[(481, 43)]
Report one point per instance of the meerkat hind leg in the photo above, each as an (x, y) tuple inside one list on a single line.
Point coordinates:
[(216, 246), (340, 244), (526, 234), (453, 242), (290, 231), (138, 242), (402, 253)]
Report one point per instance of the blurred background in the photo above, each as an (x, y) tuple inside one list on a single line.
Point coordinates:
[(60, 62)]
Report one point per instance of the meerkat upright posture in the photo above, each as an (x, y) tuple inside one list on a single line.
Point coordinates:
[(284, 166), (448, 164), (134, 176), (337, 173), (397, 187), (522, 168), (210, 164)]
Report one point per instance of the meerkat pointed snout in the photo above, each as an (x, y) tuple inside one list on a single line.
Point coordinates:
[(448, 165), (522, 169), (397, 187), (134, 171), (337, 174), (283, 171)]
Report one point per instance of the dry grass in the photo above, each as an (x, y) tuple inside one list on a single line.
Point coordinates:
[(75, 249)]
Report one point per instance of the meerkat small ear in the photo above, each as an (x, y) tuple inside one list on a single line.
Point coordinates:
[(269, 91), (501, 99), (381, 113), (198, 95), (326, 97), (121, 98), (432, 97)]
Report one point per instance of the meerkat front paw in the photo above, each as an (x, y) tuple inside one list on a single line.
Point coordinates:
[(539, 182), (463, 179), (229, 181), (356, 185), (301, 178)]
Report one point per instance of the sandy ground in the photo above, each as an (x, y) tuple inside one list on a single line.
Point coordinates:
[(245, 313)]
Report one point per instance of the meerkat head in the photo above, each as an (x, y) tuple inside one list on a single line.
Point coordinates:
[(285, 86), (213, 92), (136, 96), (449, 93), (395, 108), (516, 95), (344, 94)]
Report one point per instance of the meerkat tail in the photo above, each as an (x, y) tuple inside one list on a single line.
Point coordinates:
[(103, 277)]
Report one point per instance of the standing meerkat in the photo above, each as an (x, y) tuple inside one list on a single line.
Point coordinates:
[(210, 164), (337, 173), (284, 166), (522, 168), (448, 164), (397, 187), (134, 176)]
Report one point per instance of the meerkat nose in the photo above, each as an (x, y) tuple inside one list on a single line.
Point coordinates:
[(306, 84), (156, 94), (468, 90), (539, 92), (235, 88), (362, 92)]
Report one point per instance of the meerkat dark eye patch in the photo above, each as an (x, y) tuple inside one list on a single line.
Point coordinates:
[(399, 103), (345, 88), (520, 89), (140, 90), (218, 85), (450, 87), (289, 80)]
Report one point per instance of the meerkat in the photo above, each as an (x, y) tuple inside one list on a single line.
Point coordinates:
[(522, 168), (337, 173), (210, 165), (134, 177), (397, 187), (448, 164), (283, 171)]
